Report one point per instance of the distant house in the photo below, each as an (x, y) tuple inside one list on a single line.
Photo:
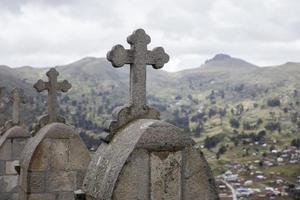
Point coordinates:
[(260, 177), (248, 183), (229, 176)]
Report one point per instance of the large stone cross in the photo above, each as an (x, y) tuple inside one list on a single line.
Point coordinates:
[(17, 98), (52, 86), (138, 56)]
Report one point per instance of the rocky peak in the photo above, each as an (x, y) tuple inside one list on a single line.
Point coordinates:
[(218, 57)]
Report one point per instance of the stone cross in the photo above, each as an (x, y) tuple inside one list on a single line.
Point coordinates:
[(17, 98), (1, 100), (138, 56), (52, 86)]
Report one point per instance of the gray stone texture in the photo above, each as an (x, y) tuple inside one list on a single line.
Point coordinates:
[(48, 169), (199, 182), (134, 176), (138, 56), (166, 175), (149, 159), (17, 99), (12, 143), (1, 98), (52, 86)]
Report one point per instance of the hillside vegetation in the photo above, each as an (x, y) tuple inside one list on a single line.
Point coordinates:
[(223, 103)]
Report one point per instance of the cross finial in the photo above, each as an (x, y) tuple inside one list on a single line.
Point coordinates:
[(1, 100), (17, 97), (138, 56), (52, 86)]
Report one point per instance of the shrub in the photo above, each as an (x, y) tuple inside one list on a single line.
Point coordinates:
[(273, 126), (273, 102), (234, 123)]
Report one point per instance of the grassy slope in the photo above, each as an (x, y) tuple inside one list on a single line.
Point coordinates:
[(183, 92)]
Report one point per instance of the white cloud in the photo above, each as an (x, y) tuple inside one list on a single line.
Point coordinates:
[(54, 32)]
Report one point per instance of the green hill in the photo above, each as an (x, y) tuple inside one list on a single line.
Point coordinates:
[(206, 101)]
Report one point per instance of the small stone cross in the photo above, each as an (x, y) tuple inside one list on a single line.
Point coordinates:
[(1, 100), (52, 86), (17, 98), (138, 56)]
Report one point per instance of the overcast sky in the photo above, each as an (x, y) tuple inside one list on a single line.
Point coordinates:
[(44, 33)]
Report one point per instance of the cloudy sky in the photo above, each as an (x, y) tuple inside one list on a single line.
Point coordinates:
[(44, 33)]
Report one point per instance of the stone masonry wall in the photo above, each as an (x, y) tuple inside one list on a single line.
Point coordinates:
[(57, 164), (10, 152)]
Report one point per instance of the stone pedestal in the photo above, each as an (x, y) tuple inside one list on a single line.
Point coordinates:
[(54, 163), (12, 143), (150, 160)]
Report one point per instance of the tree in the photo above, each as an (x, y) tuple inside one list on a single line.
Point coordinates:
[(273, 102), (234, 123), (272, 126), (296, 143), (222, 150), (211, 142)]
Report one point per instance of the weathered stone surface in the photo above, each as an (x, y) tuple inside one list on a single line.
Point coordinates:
[(10, 167), (37, 182), (199, 182), (48, 154), (8, 183), (61, 181), (11, 144), (133, 182), (80, 177), (8, 196), (108, 161), (52, 86), (79, 157), (59, 154), (173, 158), (1, 98), (41, 159), (17, 97), (7, 140), (18, 145), (17, 132), (2, 167), (138, 57), (5, 150), (166, 175), (45, 196), (144, 158), (65, 196)]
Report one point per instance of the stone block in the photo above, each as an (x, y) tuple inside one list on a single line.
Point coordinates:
[(198, 179), (36, 182), (41, 158), (65, 196), (2, 167), (79, 178), (7, 196), (166, 175), (15, 196), (133, 182), (17, 147), (79, 156), (59, 154), (10, 167), (8, 183), (61, 181), (6, 150), (44, 196)]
